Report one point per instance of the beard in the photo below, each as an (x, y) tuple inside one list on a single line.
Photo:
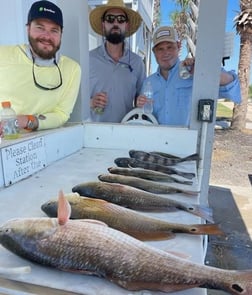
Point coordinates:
[(115, 38), (41, 52)]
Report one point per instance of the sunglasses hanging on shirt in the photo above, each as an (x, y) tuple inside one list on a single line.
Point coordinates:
[(41, 86)]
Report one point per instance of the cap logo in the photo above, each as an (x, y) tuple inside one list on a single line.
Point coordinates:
[(45, 9), (163, 33)]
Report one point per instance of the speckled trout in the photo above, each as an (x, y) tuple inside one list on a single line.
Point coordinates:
[(130, 197), (146, 185), (131, 162), (126, 220), (158, 159), (91, 247)]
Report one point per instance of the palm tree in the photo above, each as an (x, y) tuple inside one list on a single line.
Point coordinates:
[(156, 14), (243, 22), (185, 22)]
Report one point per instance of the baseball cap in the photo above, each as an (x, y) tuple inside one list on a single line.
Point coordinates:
[(45, 9), (163, 34)]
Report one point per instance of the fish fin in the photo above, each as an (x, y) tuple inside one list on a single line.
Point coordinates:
[(187, 192), (136, 286), (201, 211), (93, 221), (15, 270), (78, 271), (152, 236), (193, 157), (64, 209), (178, 254)]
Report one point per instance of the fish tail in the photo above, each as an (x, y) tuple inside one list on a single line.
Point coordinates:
[(241, 284), (201, 211), (185, 174), (190, 193), (193, 157), (205, 229), (187, 182)]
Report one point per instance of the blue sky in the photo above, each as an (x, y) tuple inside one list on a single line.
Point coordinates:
[(167, 6)]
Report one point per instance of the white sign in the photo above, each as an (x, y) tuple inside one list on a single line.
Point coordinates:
[(23, 159)]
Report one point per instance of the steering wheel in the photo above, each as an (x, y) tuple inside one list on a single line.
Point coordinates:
[(136, 116)]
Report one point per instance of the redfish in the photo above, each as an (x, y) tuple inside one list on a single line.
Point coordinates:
[(126, 220), (91, 247), (146, 185), (130, 197), (147, 174)]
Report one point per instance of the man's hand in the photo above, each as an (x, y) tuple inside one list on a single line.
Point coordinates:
[(141, 100), (99, 100)]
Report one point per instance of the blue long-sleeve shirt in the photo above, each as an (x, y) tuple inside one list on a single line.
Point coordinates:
[(173, 97)]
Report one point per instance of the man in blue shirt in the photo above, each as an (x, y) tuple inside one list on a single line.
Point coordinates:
[(172, 93)]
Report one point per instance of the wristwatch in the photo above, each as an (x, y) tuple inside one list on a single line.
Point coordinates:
[(32, 123)]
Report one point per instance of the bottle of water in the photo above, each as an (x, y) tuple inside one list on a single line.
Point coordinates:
[(148, 92), (9, 121)]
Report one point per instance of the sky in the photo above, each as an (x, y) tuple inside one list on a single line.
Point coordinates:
[(168, 6)]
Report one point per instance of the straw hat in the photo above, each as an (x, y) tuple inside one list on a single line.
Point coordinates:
[(95, 16)]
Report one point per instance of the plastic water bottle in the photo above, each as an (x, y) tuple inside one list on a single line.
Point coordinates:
[(9, 121), (148, 92)]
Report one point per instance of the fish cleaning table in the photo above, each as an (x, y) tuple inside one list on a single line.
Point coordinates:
[(99, 146)]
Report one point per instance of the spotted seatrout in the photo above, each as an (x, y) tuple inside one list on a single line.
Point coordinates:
[(135, 163), (130, 197), (161, 160), (91, 247), (126, 220), (146, 185)]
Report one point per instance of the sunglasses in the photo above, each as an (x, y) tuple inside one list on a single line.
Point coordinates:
[(41, 86), (110, 18)]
